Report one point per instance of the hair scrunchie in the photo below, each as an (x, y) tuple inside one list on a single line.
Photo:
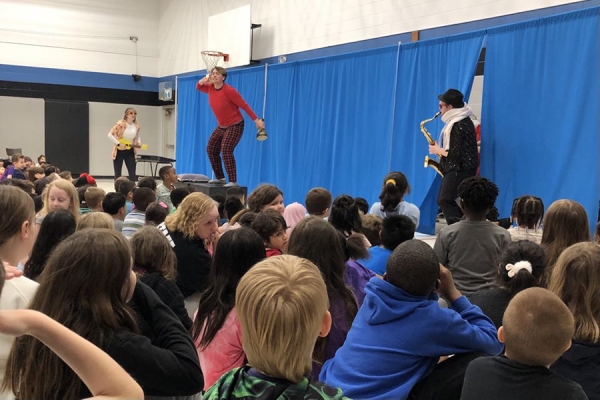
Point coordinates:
[(514, 269), (393, 182)]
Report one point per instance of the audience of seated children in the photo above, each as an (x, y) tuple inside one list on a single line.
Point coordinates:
[(95, 220), (318, 202), (266, 197), (471, 247), (17, 237), (318, 242), (576, 281), (103, 377), (528, 215), (156, 213), (565, 224), (154, 265), (371, 228), (344, 215), (293, 214), (536, 329), (126, 188), (391, 199), (59, 194), (86, 286), (362, 204), (217, 331), (57, 226), (191, 230), (271, 227), (177, 195), (114, 205), (163, 191), (396, 229), (136, 219), (522, 265), (35, 173), (94, 197), (400, 332), (278, 296), (147, 182)]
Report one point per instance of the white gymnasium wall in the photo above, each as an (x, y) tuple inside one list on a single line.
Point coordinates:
[(86, 35), (295, 26), (22, 125), (102, 118)]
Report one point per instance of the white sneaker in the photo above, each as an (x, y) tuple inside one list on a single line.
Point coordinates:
[(232, 184), (217, 181)]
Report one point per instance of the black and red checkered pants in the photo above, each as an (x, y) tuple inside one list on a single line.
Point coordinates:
[(224, 140)]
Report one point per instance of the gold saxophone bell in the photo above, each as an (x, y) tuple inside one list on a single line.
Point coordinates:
[(428, 161)]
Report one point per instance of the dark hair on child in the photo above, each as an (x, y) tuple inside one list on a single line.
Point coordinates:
[(25, 186), (354, 247), (142, 197), (151, 252), (56, 226), (232, 206), (478, 194), (236, 252), (521, 251), (235, 192), (119, 181), (413, 267), (50, 169), (395, 186), (220, 199), (113, 202), (317, 200), (263, 196), (247, 219), (156, 213), (362, 204), (317, 241), (344, 215), (147, 182), (38, 203), (31, 172), (529, 211), (125, 187), (177, 195), (395, 230), (164, 171), (81, 194), (267, 223)]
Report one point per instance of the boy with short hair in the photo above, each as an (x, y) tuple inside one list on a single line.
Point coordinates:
[(136, 219), (371, 228), (114, 205), (126, 188), (395, 230), (18, 161), (271, 227), (163, 191), (318, 202), (238, 192), (536, 329), (470, 248), (278, 296), (93, 198), (400, 332)]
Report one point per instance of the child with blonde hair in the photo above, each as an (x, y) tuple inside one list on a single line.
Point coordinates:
[(95, 220), (277, 296), (536, 329), (576, 280), (59, 194)]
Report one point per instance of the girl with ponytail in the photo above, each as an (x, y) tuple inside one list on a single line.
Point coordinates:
[(395, 186)]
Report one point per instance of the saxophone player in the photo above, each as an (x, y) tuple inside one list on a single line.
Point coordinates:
[(457, 150)]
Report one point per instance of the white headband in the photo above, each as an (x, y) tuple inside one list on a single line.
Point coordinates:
[(513, 269)]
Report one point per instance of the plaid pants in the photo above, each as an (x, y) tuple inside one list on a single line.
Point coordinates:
[(224, 140)]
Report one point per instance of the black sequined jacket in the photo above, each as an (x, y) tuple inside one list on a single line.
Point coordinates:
[(462, 153)]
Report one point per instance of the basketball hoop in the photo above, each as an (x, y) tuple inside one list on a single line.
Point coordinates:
[(211, 59)]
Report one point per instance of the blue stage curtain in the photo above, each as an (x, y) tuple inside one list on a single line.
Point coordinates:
[(540, 121), (196, 122), (330, 122), (427, 69)]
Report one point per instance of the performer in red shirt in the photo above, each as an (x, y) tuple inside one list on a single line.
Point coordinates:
[(225, 103)]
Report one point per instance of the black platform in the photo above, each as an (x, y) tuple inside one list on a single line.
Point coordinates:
[(210, 189)]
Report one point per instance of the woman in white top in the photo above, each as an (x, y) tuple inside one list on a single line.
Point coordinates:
[(395, 186), (125, 130)]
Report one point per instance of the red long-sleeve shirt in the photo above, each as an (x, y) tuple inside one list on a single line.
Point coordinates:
[(226, 103)]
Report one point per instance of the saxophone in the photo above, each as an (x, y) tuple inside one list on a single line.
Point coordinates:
[(429, 162)]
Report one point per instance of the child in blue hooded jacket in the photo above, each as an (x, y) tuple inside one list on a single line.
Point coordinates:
[(400, 332)]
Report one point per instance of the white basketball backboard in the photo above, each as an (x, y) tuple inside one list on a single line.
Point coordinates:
[(229, 32)]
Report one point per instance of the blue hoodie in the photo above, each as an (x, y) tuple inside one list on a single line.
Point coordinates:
[(396, 339)]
